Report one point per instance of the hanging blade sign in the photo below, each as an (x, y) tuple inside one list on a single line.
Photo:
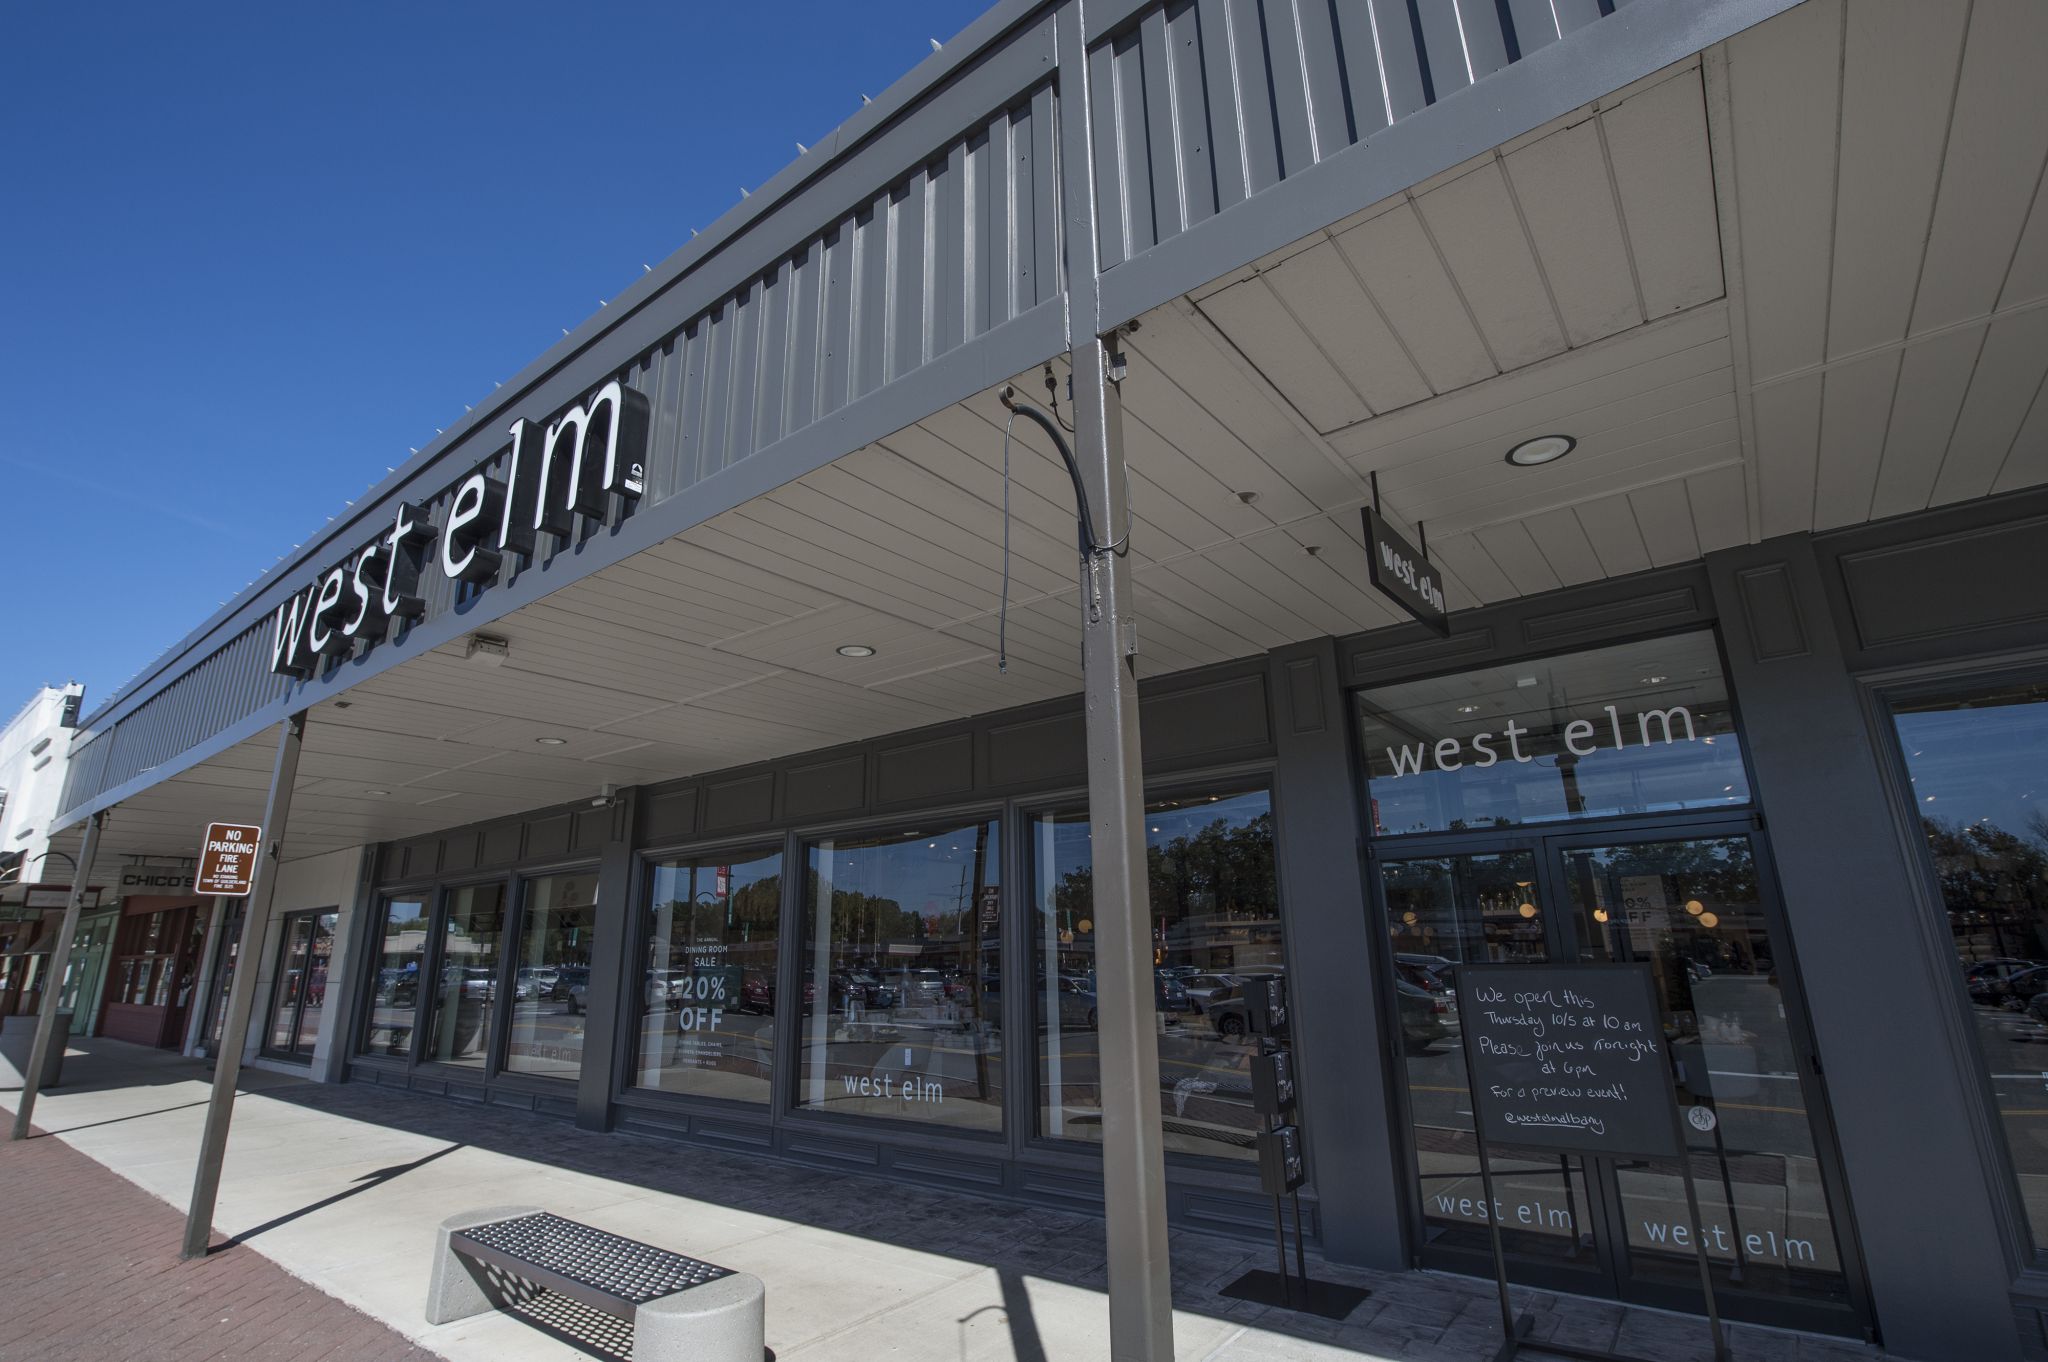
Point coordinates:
[(1400, 571)]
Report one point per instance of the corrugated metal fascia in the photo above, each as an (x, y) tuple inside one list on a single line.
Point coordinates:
[(985, 36)]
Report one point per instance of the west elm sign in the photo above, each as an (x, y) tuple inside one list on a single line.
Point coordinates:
[(552, 477), (1401, 572)]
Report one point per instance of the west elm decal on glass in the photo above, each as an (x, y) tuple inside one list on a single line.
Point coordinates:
[(596, 448), (1581, 738), (1635, 728)]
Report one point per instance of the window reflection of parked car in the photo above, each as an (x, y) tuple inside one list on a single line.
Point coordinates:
[(1202, 990), (1169, 992), (917, 987), (473, 982), (1421, 976), (398, 987), (533, 981), (1077, 1003), (572, 984), (2021, 987), (1425, 1016), (1990, 980)]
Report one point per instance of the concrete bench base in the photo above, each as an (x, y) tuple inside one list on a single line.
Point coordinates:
[(721, 1321)]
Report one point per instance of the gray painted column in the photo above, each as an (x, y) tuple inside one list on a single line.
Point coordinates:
[(227, 1066), (202, 992), (614, 994), (1357, 1162), (1133, 1143), (53, 980), (1916, 1177), (337, 1039)]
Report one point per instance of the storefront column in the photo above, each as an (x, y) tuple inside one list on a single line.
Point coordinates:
[(1916, 1177), (227, 1066), (615, 990), (53, 980), (1355, 1159)]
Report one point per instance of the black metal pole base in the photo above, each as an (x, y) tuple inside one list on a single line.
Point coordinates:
[(1512, 1344), (1325, 1300)]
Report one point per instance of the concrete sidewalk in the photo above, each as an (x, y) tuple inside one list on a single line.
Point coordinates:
[(342, 1186)]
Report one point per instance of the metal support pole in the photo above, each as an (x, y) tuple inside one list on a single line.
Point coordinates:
[(53, 980), (227, 1066), (202, 992), (1133, 1145)]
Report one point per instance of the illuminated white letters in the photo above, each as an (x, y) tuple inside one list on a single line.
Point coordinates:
[(595, 449)]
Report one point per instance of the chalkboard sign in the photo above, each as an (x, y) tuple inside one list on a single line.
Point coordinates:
[(1569, 1058)]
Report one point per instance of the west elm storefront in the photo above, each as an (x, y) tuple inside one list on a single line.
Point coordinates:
[(879, 957), (711, 738)]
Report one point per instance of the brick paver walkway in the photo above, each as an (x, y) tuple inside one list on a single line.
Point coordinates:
[(89, 1272)]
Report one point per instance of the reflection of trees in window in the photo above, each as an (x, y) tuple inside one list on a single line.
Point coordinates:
[(752, 908), (1992, 884), (1218, 870)]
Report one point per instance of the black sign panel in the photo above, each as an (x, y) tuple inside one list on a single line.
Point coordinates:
[(1399, 570), (1273, 1083), (1265, 1001), (1281, 1168), (1569, 1058)]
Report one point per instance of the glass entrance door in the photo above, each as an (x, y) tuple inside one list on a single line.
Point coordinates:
[(300, 994), (1693, 903)]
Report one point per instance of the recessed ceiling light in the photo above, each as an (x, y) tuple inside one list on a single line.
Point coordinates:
[(855, 650), (1655, 680), (552, 742), (376, 792), (1541, 450), (1468, 709)]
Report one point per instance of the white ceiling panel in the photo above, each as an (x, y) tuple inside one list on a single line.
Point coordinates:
[(1998, 138), (1899, 76), (1476, 226), (1785, 81), (1656, 142)]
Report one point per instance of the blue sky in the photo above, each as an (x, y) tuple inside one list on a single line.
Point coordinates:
[(254, 252)]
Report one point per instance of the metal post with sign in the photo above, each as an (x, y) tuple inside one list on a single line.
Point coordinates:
[(53, 981), (235, 860)]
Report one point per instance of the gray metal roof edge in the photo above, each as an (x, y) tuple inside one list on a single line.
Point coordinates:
[(1012, 348), (1637, 40), (985, 32)]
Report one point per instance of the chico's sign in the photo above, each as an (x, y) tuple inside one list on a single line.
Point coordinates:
[(552, 476)]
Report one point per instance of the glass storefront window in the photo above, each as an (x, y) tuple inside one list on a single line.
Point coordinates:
[(551, 984), (1635, 728), (902, 1000), (1215, 921), (471, 929), (1979, 767), (395, 988), (707, 1021)]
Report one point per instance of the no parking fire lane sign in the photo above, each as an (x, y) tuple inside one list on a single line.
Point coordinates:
[(227, 859)]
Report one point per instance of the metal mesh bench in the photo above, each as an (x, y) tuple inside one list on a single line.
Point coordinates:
[(678, 1306)]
